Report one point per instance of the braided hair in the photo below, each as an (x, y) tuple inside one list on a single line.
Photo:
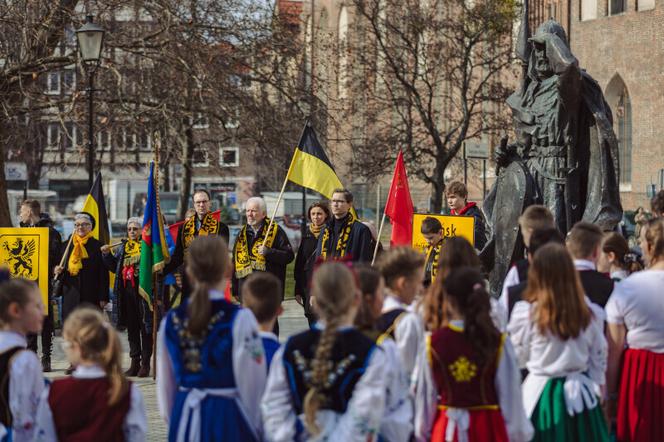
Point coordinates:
[(335, 290)]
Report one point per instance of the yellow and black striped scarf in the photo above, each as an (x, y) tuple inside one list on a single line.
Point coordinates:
[(209, 226), (245, 260), (341, 247)]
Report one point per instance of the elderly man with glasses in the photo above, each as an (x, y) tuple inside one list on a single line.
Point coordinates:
[(202, 223), (133, 311)]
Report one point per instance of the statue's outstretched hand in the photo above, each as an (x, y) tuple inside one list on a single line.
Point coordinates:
[(504, 153)]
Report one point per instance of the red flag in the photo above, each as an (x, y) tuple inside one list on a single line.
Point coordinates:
[(173, 228), (399, 206)]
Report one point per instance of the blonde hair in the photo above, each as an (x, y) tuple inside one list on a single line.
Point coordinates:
[(207, 262), (334, 287), (398, 262), (554, 284), (99, 343), (536, 217)]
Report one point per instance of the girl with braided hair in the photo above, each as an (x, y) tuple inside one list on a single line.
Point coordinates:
[(327, 383), (468, 388)]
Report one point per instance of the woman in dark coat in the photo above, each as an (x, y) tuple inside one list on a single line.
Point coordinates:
[(318, 215), (84, 276)]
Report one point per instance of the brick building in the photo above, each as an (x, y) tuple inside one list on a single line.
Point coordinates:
[(621, 44)]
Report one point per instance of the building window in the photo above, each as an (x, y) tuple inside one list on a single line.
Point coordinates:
[(53, 136), (53, 83), (69, 81), (104, 140), (144, 140), (617, 6), (229, 156), (342, 85), (127, 140), (588, 9), (200, 121), (200, 158), (645, 5), (624, 114), (70, 136)]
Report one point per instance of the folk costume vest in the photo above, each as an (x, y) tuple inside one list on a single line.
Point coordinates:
[(463, 382), (246, 257), (387, 323), (81, 411), (131, 258), (349, 359), (6, 418), (209, 226), (339, 248)]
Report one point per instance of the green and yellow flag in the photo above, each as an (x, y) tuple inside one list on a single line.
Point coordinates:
[(24, 252), (95, 205), (310, 166)]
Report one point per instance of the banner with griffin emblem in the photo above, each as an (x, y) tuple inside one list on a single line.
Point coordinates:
[(24, 251)]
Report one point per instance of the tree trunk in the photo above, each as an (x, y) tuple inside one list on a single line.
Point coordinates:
[(5, 217), (187, 166)]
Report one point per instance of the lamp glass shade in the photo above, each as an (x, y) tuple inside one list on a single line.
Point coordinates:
[(90, 41)]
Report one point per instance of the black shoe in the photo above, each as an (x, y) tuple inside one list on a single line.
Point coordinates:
[(46, 364), (144, 372), (134, 367)]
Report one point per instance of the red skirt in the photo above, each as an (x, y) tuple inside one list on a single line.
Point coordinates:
[(641, 398), (485, 425)]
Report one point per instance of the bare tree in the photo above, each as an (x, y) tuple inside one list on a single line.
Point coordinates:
[(429, 76)]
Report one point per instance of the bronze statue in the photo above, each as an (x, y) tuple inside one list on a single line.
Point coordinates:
[(565, 155)]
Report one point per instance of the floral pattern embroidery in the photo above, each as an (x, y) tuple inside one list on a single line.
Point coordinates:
[(463, 370)]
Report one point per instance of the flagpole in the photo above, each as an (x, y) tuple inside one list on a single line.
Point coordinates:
[(307, 123), (155, 277), (380, 231)]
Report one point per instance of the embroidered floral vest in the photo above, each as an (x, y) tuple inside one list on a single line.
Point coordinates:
[(463, 382), (350, 357)]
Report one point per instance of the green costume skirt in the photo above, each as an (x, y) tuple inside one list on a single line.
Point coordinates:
[(553, 424)]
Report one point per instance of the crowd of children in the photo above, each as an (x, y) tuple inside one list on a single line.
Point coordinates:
[(572, 351)]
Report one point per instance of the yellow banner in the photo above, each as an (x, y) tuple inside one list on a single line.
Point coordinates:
[(24, 251), (453, 225)]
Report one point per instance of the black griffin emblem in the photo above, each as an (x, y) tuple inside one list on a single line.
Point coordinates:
[(20, 256)]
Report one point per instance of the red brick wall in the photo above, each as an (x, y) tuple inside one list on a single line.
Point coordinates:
[(630, 45)]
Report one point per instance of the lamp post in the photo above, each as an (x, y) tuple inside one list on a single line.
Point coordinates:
[(90, 38)]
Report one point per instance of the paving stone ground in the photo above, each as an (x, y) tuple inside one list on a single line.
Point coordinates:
[(291, 321)]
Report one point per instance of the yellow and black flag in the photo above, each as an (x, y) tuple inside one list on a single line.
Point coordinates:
[(310, 167), (95, 205)]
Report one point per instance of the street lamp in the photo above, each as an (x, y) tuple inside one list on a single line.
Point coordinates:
[(90, 38)]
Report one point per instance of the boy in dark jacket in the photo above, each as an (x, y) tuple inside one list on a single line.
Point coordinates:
[(457, 200)]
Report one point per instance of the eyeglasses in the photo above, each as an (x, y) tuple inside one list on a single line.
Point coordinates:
[(132, 229), (79, 225)]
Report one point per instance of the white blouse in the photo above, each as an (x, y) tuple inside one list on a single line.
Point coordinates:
[(638, 303), (508, 389), (26, 384), (134, 426), (397, 423), (249, 367), (408, 333), (547, 356), (361, 421)]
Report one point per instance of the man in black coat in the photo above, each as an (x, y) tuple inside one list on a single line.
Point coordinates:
[(202, 223), (30, 216), (344, 236), (259, 249)]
